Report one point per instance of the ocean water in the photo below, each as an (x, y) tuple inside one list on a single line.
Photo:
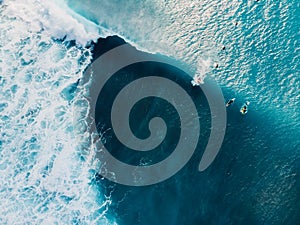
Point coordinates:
[(49, 175)]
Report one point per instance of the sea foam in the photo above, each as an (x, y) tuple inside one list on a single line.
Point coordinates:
[(46, 165)]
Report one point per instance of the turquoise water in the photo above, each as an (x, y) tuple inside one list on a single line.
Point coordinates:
[(48, 172), (254, 179)]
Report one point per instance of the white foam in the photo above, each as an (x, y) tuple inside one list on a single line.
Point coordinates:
[(43, 177), (55, 18)]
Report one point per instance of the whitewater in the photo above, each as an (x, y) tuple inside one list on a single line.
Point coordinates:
[(47, 174)]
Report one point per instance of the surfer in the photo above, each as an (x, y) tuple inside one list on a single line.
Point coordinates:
[(244, 108), (216, 65), (197, 80), (230, 102)]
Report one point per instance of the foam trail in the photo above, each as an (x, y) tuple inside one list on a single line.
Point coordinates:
[(204, 67), (47, 169)]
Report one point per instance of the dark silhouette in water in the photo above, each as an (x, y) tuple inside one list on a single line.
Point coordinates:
[(105, 44), (230, 102)]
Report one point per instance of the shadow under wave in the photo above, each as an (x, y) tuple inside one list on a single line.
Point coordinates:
[(252, 180)]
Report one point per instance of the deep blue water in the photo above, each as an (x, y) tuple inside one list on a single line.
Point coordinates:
[(253, 180)]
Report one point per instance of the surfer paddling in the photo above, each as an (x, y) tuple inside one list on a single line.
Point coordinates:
[(230, 102), (244, 108)]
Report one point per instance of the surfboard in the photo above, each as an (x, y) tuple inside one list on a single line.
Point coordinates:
[(244, 108), (228, 104), (197, 81)]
